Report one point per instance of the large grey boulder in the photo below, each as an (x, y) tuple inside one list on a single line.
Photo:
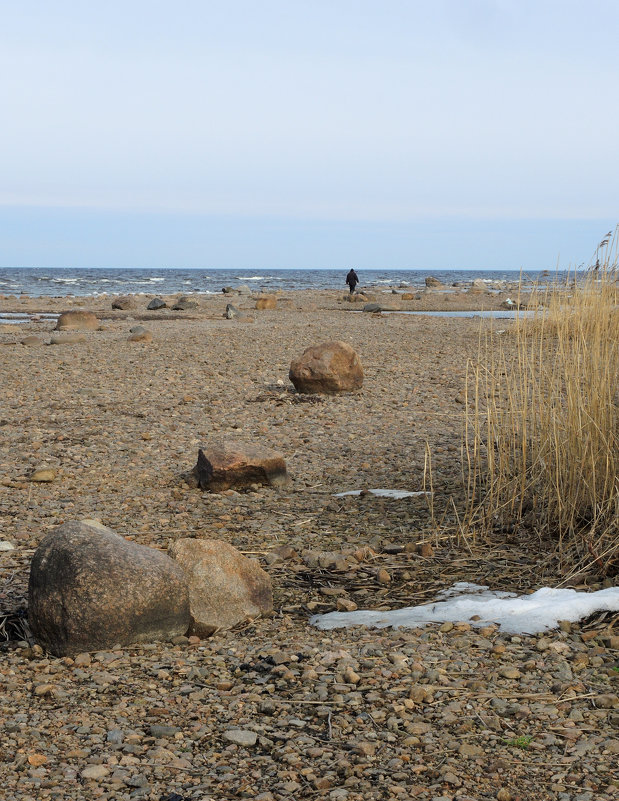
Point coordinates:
[(91, 589), (225, 587), (328, 368), (156, 303)]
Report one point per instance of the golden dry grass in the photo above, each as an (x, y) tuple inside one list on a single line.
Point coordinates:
[(542, 424)]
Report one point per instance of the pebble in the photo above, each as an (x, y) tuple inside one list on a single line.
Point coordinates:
[(241, 737)]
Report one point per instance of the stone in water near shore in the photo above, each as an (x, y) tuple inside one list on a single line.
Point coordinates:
[(328, 368), (225, 587), (91, 589), (225, 465), (77, 321)]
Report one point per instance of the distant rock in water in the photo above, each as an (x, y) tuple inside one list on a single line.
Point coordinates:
[(224, 465), (328, 368), (91, 589), (156, 303), (77, 321), (431, 281), (225, 587)]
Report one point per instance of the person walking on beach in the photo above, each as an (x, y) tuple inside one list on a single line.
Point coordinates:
[(352, 279)]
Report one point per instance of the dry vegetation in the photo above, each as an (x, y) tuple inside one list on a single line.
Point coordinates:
[(542, 438)]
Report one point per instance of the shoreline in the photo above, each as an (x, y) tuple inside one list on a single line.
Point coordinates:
[(348, 715)]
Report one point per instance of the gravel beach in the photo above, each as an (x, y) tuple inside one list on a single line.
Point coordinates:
[(277, 709)]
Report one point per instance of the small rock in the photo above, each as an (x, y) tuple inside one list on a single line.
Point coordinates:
[(241, 737), (156, 303), (31, 341), (94, 772), (142, 336), (510, 673), (43, 475), (5, 545)]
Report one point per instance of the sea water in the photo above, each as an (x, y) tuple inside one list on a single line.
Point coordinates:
[(38, 282)]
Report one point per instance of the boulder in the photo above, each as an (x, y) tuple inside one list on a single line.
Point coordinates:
[(91, 589), (328, 368), (355, 297), (372, 307), (266, 302), (231, 312), (77, 321), (71, 338), (124, 303), (184, 304), (31, 341), (140, 336), (229, 290), (479, 287), (431, 281), (156, 303), (408, 296), (224, 465), (243, 289), (225, 587)]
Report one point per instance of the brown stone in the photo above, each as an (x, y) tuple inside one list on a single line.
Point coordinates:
[(124, 303), (70, 338), (225, 465), (408, 296), (225, 587), (31, 341), (77, 320), (140, 336), (266, 302), (91, 589), (328, 368)]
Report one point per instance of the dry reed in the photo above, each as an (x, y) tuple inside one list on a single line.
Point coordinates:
[(542, 421)]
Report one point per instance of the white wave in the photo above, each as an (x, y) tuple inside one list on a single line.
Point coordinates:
[(256, 278)]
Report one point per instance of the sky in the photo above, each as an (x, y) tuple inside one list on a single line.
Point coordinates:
[(308, 133)]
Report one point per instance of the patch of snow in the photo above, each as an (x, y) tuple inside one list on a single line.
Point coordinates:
[(382, 493), (523, 614)]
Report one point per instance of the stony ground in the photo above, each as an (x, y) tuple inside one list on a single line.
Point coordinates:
[(279, 709)]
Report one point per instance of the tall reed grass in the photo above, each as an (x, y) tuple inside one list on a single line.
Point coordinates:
[(542, 422)]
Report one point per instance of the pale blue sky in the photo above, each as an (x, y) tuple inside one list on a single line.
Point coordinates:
[(307, 133)]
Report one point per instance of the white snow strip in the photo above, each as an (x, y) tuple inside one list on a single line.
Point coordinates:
[(382, 493), (524, 614)]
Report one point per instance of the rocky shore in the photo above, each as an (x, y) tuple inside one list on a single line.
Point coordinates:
[(97, 426)]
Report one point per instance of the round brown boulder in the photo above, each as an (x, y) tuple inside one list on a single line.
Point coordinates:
[(91, 589), (266, 302), (225, 587), (328, 368), (77, 321), (125, 302)]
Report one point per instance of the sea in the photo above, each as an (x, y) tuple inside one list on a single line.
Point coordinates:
[(60, 282)]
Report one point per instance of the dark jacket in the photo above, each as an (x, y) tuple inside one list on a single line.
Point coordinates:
[(352, 279)]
